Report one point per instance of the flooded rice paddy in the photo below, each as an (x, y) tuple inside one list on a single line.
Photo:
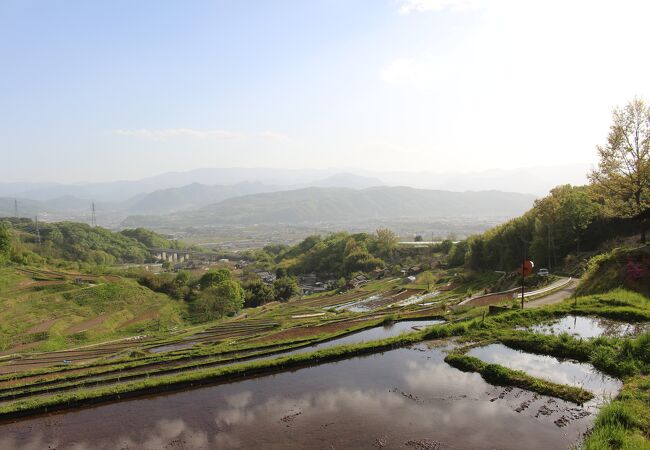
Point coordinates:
[(371, 334), (550, 368), (405, 398), (591, 327)]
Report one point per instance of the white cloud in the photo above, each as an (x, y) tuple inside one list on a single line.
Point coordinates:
[(409, 6), (189, 133)]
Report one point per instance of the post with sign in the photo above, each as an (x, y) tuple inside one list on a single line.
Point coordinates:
[(525, 269)]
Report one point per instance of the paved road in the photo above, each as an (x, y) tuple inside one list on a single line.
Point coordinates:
[(554, 297)]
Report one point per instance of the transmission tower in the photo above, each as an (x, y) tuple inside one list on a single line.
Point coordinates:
[(93, 219), (38, 232), (15, 208)]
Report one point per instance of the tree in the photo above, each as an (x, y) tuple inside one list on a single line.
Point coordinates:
[(418, 238), (285, 288), (257, 294), (386, 242), (217, 301), (214, 277), (579, 211), (457, 254), (427, 278), (5, 242), (622, 179), (445, 246)]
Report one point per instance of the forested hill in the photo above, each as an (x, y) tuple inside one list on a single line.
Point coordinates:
[(341, 205), (80, 242)]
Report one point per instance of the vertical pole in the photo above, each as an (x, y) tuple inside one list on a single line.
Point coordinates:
[(38, 232), (523, 277), (548, 240)]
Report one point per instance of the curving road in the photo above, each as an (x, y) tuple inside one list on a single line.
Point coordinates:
[(554, 297)]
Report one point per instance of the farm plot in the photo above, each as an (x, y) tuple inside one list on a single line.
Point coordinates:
[(381, 300), (219, 333)]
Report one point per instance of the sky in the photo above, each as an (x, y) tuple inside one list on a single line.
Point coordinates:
[(100, 91)]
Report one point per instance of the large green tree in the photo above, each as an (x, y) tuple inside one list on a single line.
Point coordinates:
[(219, 300), (257, 294), (214, 277), (622, 179), (285, 288)]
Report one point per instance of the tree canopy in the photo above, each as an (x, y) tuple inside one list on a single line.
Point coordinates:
[(622, 179), (219, 300)]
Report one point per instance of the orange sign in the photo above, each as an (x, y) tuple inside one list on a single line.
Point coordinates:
[(526, 268)]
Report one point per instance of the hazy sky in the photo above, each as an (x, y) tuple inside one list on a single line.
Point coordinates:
[(102, 90)]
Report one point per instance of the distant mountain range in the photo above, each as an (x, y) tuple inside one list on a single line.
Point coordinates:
[(46, 202), (532, 180), (339, 205), (252, 195)]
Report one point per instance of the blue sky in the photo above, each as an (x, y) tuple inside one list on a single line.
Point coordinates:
[(126, 89)]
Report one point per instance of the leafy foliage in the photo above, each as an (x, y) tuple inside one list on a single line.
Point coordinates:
[(5, 242), (623, 176), (257, 294), (219, 300), (78, 242), (629, 268), (339, 254), (286, 287), (151, 239)]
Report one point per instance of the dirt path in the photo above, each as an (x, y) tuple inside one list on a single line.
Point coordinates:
[(554, 297)]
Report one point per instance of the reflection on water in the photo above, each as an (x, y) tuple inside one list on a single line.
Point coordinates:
[(590, 327), (372, 334), (405, 398), (379, 332), (550, 368)]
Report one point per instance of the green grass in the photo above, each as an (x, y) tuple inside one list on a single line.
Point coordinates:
[(625, 422), (503, 376), (53, 315), (610, 271)]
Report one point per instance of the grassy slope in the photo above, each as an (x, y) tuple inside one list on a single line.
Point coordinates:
[(629, 268), (64, 314)]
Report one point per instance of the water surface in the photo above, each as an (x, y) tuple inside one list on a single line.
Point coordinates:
[(550, 368), (590, 327), (405, 398)]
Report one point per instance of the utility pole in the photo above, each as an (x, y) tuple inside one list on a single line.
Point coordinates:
[(38, 232), (548, 240)]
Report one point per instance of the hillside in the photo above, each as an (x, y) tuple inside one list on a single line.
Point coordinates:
[(192, 196), (76, 242), (341, 205), (620, 268), (46, 310)]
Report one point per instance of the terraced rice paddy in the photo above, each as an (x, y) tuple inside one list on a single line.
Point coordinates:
[(393, 390), (405, 398), (590, 327), (571, 373)]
